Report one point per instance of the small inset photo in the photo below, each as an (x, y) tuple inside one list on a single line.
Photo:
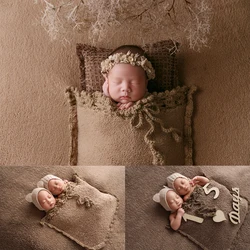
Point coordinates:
[(51, 208), (187, 207)]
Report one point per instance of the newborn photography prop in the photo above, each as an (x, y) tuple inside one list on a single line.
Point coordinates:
[(83, 214), (103, 19), (162, 55), (216, 214), (88, 214), (155, 131), (217, 209)]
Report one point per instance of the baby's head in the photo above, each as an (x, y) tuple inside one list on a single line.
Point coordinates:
[(180, 183), (169, 199), (53, 183), (41, 198), (126, 72)]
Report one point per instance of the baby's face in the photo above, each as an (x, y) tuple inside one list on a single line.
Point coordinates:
[(127, 83), (46, 200), (182, 186), (56, 186), (174, 200)]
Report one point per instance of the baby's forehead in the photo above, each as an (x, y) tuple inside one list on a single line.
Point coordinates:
[(43, 193), (172, 194)]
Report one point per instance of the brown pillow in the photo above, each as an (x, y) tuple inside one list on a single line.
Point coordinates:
[(161, 54), (145, 134), (210, 234), (83, 214)]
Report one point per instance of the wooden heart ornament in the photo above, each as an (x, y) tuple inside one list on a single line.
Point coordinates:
[(219, 216)]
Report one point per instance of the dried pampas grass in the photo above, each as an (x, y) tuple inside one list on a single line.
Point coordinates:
[(142, 21)]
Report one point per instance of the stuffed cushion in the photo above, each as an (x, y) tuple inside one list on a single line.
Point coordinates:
[(83, 214), (154, 131), (210, 234), (161, 54)]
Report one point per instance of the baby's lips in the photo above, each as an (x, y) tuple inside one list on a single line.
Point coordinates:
[(124, 97)]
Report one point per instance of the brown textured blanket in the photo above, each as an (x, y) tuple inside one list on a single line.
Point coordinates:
[(146, 220), (20, 226)]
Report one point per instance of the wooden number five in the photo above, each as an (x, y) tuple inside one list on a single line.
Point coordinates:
[(208, 191)]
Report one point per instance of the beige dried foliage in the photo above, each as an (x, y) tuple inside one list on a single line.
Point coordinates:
[(140, 21)]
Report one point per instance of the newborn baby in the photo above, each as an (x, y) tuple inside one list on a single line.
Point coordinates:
[(41, 198), (171, 201), (126, 72), (183, 185), (53, 183)]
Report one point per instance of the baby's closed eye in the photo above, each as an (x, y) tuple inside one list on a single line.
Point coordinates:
[(116, 82)]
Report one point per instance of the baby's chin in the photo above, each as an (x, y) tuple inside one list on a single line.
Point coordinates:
[(121, 100), (124, 101)]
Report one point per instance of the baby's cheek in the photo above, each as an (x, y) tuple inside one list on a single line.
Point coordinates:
[(114, 95), (44, 206)]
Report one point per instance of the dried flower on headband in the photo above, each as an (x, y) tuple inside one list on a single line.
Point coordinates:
[(128, 58)]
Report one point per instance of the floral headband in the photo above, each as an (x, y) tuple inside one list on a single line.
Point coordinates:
[(129, 58)]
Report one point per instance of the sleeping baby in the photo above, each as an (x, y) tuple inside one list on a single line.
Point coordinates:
[(193, 193), (42, 199), (53, 183), (48, 187), (183, 185), (126, 72), (171, 201), (170, 198)]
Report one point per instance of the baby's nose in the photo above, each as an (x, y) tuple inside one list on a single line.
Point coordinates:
[(125, 86)]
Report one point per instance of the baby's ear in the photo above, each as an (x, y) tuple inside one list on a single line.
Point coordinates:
[(156, 197), (105, 76), (105, 88), (28, 197), (40, 184)]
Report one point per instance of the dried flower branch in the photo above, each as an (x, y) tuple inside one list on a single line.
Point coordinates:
[(143, 20), (199, 27)]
